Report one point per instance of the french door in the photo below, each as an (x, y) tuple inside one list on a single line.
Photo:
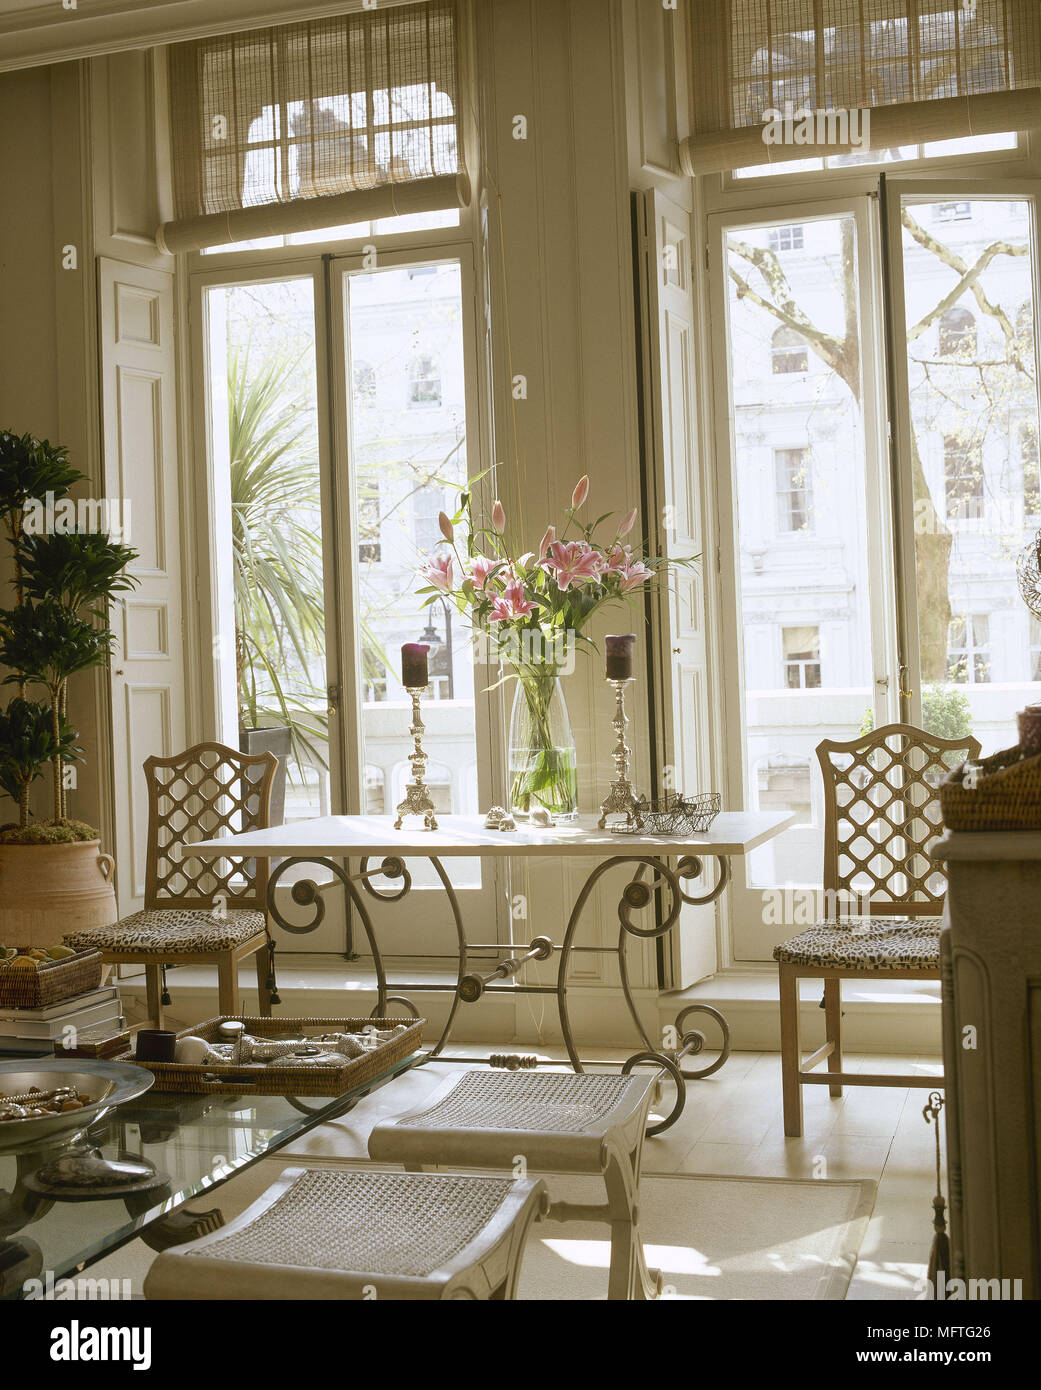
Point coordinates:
[(338, 416), (879, 412)]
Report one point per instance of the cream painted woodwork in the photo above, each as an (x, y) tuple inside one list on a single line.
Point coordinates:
[(48, 382), (664, 273), (139, 443), (130, 160), (33, 32), (558, 266), (990, 961)]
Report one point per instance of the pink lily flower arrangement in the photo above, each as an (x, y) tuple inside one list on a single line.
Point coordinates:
[(555, 589)]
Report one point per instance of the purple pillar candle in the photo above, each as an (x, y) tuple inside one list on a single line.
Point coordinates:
[(414, 665), (620, 657)]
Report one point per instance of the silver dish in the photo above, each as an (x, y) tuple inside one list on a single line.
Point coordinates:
[(108, 1083)]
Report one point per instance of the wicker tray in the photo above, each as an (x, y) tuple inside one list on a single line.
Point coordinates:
[(270, 1080), (1007, 795), (51, 981)]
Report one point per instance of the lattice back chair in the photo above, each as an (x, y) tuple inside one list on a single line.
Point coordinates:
[(196, 911), (881, 814)]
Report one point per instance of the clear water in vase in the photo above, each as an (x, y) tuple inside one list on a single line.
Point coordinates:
[(543, 763)]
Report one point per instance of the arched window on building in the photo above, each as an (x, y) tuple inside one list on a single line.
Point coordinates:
[(957, 333), (789, 352)]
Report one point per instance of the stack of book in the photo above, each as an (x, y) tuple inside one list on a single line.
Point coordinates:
[(44, 1031)]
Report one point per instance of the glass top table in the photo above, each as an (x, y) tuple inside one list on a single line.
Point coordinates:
[(197, 1141)]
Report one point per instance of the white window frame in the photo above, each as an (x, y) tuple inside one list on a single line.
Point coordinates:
[(728, 204), (347, 765)]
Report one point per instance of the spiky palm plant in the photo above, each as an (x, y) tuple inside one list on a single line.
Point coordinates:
[(276, 539)]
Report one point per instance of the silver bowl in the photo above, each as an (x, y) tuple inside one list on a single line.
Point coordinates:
[(107, 1083)]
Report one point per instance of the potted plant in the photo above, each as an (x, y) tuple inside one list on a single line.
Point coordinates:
[(53, 875)]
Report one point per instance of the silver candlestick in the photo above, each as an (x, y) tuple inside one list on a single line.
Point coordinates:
[(417, 800), (622, 798)]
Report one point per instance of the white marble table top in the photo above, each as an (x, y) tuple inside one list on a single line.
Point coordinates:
[(732, 832)]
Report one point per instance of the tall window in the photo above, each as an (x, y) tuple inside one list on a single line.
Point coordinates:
[(794, 490), (963, 479), (427, 504), (789, 352), (424, 380), (957, 335), (1035, 649), (802, 657), (1028, 455), (968, 650), (369, 550), (364, 383)]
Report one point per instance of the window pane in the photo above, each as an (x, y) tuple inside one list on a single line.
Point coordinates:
[(408, 441), (263, 423), (804, 583), (968, 276)]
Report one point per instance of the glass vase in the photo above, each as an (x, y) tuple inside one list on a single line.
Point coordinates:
[(543, 766)]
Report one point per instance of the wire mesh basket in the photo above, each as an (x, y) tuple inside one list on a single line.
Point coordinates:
[(675, 814)]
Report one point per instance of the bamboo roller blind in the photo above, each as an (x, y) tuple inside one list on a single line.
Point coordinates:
[(316, 123), (925, 69)]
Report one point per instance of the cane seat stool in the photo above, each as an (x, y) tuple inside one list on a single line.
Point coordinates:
[(197, 911), (881, 815), (357, 1233), (557, 1122)]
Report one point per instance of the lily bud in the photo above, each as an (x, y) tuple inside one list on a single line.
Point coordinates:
[(446, 527), (627, 523), (581, 491), (499, 517), (547, 540)]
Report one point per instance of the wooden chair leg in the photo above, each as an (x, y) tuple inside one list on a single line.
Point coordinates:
[(153, 995), (260, 960), (833, 1029), (227, 984), (791, 1050)]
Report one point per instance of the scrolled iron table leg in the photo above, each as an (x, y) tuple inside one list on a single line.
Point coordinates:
[(637, 896)]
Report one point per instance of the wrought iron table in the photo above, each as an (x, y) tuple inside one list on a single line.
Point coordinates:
[(658, 862)]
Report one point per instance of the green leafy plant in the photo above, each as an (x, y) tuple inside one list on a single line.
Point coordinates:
[(946, 713), (64, 584), (279, 599), (27, 746)]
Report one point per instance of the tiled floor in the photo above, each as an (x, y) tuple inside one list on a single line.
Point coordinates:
[(731, 1125)]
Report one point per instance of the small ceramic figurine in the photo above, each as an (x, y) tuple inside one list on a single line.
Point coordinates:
[(493, 818), (541, 818), (507, 823)]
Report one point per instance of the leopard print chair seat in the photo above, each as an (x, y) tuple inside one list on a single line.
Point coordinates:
[(171, 932), (865, 943)]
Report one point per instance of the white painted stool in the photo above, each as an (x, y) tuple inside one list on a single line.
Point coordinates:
[(336, 1233), (562, 1122)]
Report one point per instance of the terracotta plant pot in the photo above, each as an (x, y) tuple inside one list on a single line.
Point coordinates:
[(49, 890)]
